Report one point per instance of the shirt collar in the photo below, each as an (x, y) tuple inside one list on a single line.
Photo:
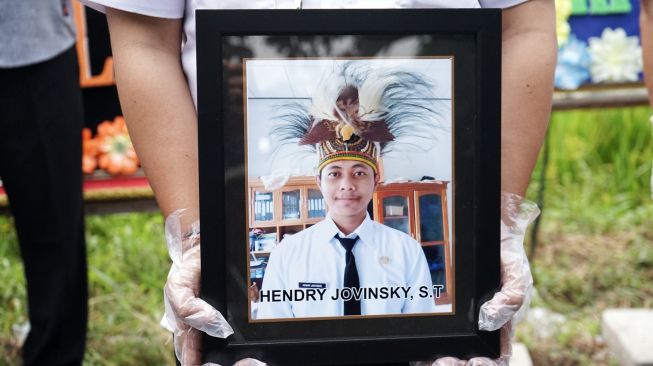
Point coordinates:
[(328, 230)]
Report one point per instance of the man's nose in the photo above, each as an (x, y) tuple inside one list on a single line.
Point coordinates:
[(347, 184)]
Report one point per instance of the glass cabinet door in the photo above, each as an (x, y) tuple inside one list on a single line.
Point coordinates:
[(291, 205), (316, 206), (435, 257), (396, 212), (430, 218), (263, 206)]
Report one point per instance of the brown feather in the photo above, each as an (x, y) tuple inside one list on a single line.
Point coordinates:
[(323, 130), (374, 131), (347, 102)]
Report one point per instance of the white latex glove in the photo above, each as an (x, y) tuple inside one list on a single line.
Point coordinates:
[(509, 305), (186, 315), (504, 358)]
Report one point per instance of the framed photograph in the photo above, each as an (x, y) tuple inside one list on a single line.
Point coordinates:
[(349, 182)]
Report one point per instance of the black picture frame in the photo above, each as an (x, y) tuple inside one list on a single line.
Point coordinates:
[(473, 37)]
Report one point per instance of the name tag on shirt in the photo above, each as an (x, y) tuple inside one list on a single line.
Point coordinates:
[(312, 285)]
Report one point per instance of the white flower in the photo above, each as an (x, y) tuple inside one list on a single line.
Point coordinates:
[(615, 57)]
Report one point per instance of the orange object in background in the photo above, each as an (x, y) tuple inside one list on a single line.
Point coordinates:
[(89, 152), (86, 79), (110, 150), (116, 152)]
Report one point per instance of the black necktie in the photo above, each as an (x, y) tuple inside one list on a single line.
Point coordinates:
[(352, 306)]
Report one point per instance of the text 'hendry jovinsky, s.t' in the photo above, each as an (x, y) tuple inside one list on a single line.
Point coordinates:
[(348, 293)]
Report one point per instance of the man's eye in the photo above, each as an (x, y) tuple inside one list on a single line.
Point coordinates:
[(332, 174), (360, 174)]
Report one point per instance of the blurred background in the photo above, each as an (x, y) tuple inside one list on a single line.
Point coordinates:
[(590, 250)]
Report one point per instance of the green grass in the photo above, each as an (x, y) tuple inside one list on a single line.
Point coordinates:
[(595, 248), (128, 265), (599, 172), (595, 252), (12, 292)]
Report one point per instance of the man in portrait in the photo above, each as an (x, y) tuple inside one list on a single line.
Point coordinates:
[(348, 264)]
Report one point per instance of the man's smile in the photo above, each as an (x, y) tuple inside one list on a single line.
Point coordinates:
[(348, 198)]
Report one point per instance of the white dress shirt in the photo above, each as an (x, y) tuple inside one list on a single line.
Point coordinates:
[(388, 261)]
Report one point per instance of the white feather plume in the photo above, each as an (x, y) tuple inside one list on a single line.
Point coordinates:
[(370, 96), (325, 96)]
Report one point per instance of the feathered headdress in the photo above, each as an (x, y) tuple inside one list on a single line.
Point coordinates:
[(361, 114)]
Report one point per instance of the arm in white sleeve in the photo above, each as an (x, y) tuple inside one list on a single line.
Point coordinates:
[(419, 279), (274, 280)]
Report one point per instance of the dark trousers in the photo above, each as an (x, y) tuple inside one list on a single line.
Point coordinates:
[(40, 167)]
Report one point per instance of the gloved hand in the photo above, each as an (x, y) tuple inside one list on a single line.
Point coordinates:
[(186, 315), (509, 305)]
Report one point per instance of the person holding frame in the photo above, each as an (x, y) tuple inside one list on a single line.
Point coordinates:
[(162, 119)]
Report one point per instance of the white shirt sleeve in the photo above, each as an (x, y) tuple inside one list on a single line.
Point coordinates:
[(503, 4), (273, 281), (420, 299), (171, 9)]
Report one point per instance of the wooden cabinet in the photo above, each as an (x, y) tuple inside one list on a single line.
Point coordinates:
[(296, 206), (420, 210)]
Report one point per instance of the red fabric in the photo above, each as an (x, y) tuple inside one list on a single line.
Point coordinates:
[(108, 183)]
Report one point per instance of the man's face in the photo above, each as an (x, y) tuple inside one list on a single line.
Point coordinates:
[(347, 187)]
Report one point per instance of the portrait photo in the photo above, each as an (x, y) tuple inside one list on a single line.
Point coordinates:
[(349, 144)]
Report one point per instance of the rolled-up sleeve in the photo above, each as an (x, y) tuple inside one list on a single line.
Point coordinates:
[(502, 4)]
